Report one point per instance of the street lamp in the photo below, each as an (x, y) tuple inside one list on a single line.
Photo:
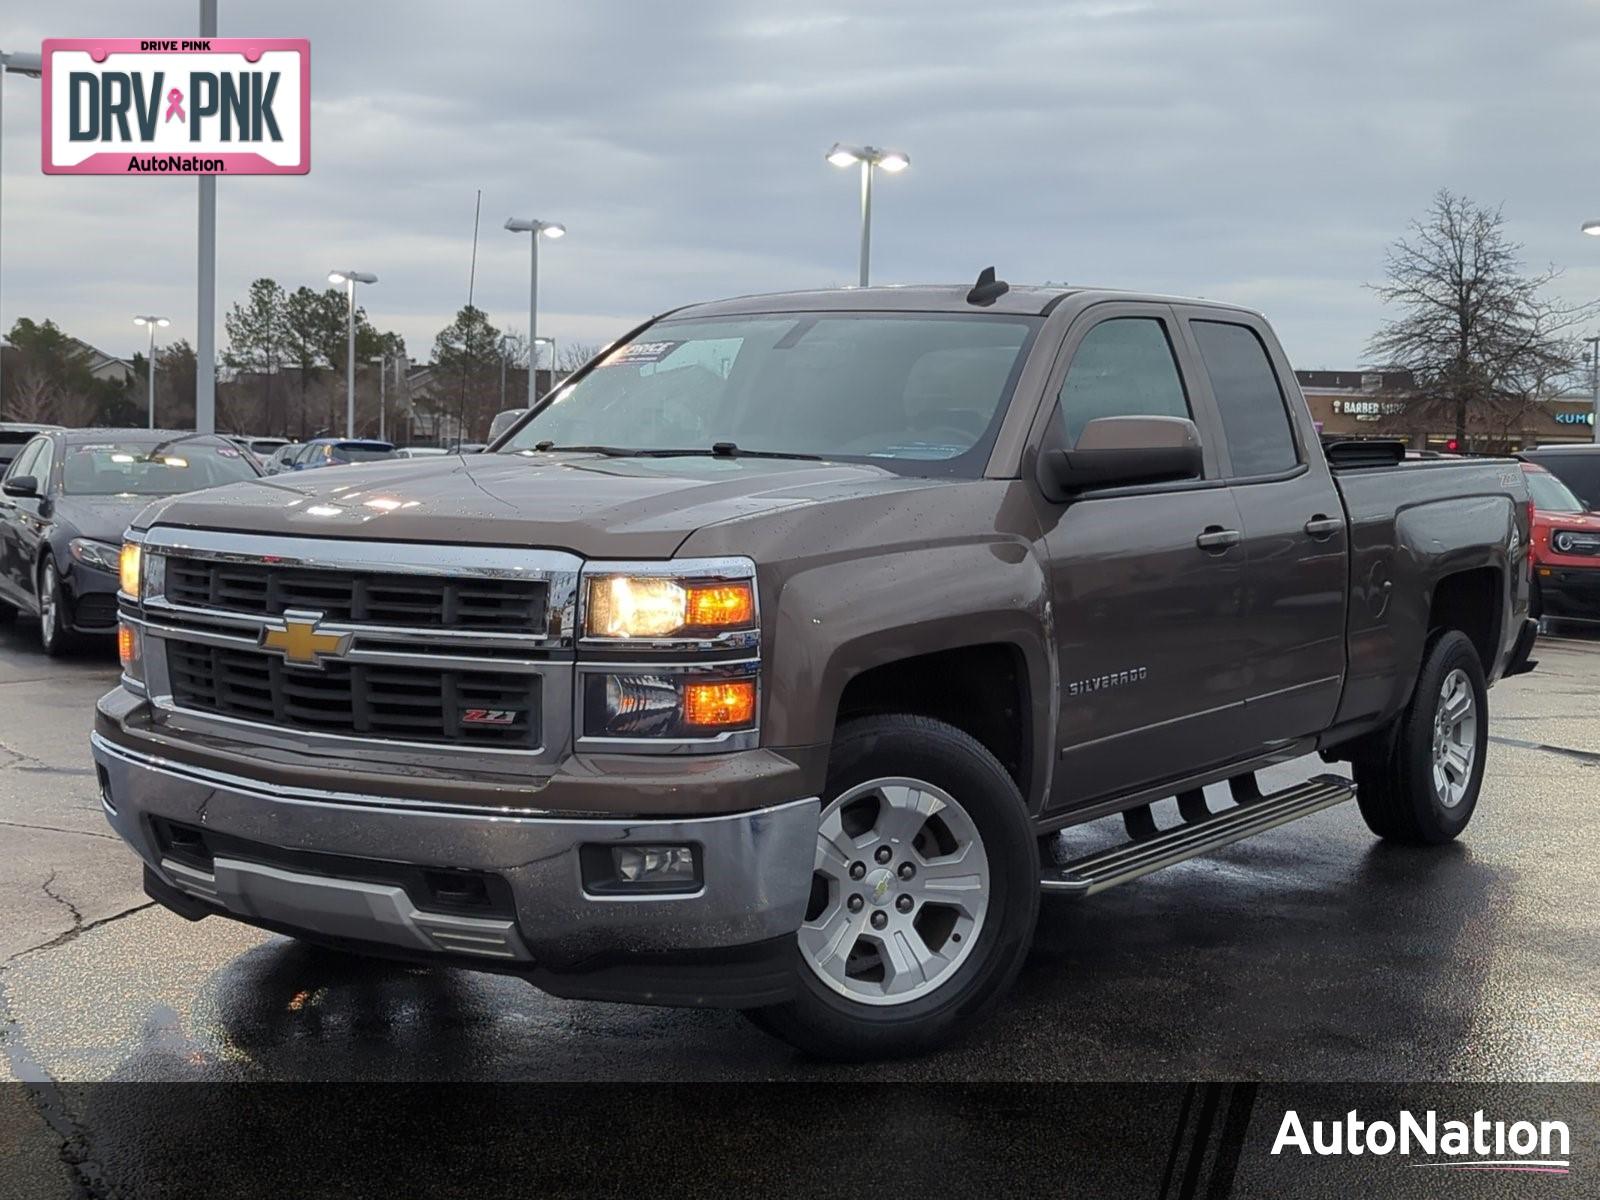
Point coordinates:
[(152, 323), (32, 66), (892, 161), (350, 279), (547, 229)]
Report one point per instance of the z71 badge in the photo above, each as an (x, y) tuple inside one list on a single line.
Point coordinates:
[(489, 716)]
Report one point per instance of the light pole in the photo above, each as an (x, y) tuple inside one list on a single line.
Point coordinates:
[(538, 229), (151, 323), (350, 279), (32, 66), (1592, 228), (892, 161), (534, 356), (383, 396)]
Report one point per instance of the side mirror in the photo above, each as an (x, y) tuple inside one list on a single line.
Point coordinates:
[(22, 485), (504, 421), (1118, 451)]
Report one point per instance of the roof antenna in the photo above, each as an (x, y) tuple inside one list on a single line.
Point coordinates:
[(988, 289)]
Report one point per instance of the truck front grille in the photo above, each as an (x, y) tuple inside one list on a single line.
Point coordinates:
[(364, 597), (404, 703)]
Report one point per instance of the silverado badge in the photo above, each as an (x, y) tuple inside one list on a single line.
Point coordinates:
[(302, 642)]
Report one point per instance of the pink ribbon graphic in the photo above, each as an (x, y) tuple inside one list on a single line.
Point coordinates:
[(174, 106)]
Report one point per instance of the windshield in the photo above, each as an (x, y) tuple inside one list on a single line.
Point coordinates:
[(149, 468), (1550, 494), (922, 393)]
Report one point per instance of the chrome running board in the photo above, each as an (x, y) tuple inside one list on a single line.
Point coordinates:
[(1107, 868)]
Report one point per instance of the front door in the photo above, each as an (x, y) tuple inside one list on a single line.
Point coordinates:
[(1147, 582)]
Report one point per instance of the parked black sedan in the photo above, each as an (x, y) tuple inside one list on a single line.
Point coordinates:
[(64, 503)]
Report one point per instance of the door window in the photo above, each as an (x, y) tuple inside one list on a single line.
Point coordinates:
[(42, 465), (1254, 418), (1124, 367), (23, 463)]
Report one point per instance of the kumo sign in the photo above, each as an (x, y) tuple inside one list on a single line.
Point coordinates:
[(197, 106)]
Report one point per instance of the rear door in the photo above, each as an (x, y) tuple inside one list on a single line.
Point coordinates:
[(1295, 535), (1146, 582)]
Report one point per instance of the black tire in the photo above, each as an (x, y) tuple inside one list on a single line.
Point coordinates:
[(8, 614), (54, 635), (821, 1021), (1536, 601), (1395, 780)]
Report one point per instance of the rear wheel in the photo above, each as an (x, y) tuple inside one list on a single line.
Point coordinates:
[(1423, 787), (924, 895)]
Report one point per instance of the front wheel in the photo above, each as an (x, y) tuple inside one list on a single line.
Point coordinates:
[(1424, 788), (924, 895), (54, 616)]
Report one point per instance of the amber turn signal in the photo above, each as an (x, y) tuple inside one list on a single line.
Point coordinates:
[(127, 645), (721, 606), (722, 705)]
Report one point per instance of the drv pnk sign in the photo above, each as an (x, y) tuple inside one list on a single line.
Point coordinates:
[(171, 106)]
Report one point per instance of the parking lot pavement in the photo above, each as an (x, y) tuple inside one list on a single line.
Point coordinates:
[(1310, 953)]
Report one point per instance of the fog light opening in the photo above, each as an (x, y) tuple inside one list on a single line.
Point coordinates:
[(641, 869)]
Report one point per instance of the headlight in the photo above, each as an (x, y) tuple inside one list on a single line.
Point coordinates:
[(128, 573), (101, 555), (662, 606), (663, 705)]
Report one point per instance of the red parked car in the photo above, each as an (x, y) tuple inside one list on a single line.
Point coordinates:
[(1566, 549)]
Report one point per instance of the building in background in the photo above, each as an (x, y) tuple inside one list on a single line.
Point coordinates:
[(1368, 404)]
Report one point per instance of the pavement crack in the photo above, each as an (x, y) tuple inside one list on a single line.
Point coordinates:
[(88, 1178), (110, 837), (77, 917), (79, 928), (1571, 752)]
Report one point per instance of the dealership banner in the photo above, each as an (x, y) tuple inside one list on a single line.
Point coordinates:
[(177, 106), (230, 1137)]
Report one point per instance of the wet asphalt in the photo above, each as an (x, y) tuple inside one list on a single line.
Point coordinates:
[(1309, 954)]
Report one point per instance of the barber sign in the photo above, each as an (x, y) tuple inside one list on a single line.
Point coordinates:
[(175, 106)]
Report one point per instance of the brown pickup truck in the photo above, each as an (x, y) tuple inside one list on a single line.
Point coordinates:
[(754, 666)]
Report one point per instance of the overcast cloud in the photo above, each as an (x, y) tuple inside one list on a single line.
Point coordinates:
[(1260, 151)]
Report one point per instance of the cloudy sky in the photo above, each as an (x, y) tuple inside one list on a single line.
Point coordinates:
[(1260, 151)]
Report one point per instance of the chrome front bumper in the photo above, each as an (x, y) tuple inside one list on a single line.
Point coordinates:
[(756, 867)]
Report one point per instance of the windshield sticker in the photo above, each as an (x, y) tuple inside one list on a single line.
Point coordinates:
[(640, 353), (227, 452), (920, 450)]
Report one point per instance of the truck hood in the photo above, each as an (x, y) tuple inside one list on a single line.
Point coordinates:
[(590, 504)]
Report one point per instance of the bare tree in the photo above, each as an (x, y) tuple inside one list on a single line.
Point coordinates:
[(572, 355), (1482, 340), (34, 395)]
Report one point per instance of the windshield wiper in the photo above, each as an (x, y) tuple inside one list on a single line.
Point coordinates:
[(717, 450), (609, 451)]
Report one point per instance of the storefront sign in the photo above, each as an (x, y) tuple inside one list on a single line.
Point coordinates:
[(168, 106)]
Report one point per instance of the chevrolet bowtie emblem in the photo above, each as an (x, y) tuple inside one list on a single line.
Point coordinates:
[(301, 642)]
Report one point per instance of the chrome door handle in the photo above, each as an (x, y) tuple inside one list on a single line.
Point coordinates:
[(1322, 528), (1216, 540)]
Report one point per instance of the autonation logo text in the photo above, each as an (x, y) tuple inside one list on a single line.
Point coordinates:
[(1476, 1145)]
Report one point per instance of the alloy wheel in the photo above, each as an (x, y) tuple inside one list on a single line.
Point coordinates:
[(899, 892), (1455, 738)]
